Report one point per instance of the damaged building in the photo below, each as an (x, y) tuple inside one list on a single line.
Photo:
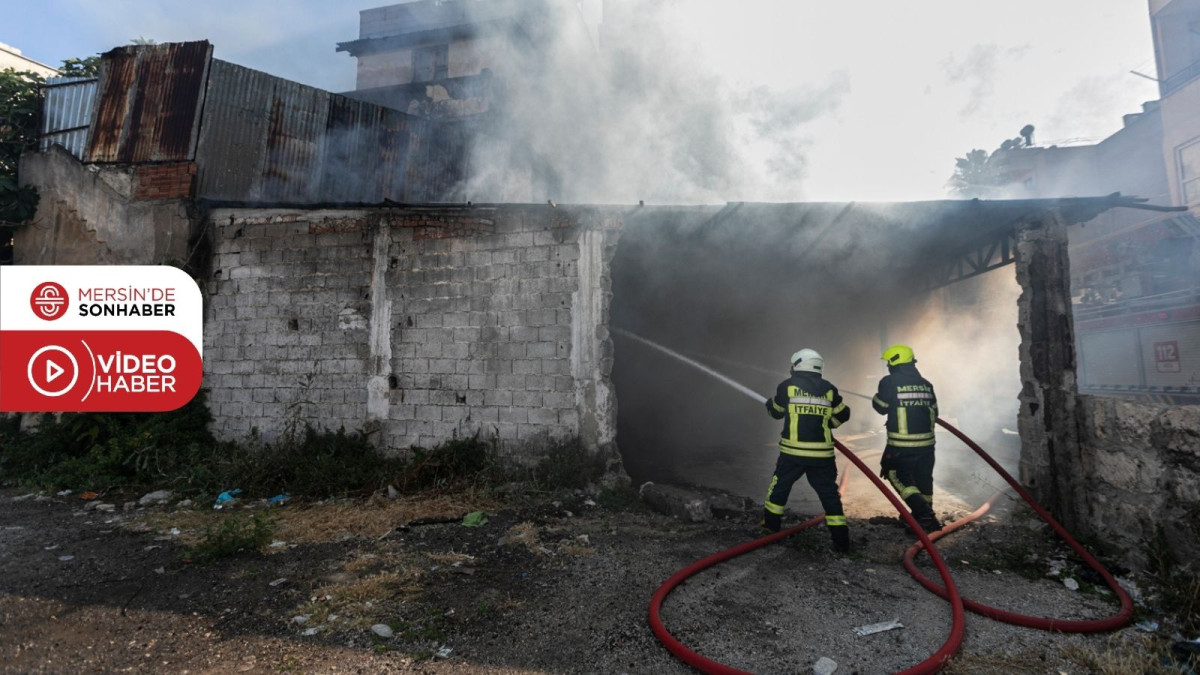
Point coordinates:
[(350, 282)]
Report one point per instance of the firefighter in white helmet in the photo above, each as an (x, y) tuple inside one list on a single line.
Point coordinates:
[(911, 407), (810, 408)]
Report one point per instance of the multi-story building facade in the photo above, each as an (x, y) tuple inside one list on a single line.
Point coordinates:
[(1136, 274), (11, 57)]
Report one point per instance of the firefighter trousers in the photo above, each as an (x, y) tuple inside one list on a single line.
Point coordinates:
[(910, 471), (822, 476)]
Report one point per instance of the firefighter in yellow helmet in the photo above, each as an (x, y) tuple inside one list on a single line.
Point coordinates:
[(810, 408), (911, 407)]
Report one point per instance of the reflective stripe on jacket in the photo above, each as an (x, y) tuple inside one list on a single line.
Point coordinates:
[(810, 408), (911, 407)]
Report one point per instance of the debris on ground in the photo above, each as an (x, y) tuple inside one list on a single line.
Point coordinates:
[(227, 498), (872, 628), (474, 519), (155, 498), (824, 666), (1071, 584), (382, 630), (279, 499)]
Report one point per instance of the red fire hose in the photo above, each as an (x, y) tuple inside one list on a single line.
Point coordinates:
[(1118, 620), (948, 591), (706, 665)]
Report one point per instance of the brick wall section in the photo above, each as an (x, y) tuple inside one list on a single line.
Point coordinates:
[(479, 335), (163, 181)]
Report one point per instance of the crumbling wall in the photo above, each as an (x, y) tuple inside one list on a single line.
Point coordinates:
[(414, 325), (1050, 462), (1142, 471), (104, 214), (1107, 468)]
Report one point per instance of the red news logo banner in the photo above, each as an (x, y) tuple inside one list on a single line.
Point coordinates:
[(98, 338)]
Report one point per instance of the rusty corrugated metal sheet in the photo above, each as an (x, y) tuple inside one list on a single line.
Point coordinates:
[(66, 113), (150, 99), (264, 138)]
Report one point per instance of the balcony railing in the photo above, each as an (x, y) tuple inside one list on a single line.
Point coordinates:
[(1179, 79)]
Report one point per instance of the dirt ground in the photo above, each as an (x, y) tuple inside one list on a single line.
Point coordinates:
[(542, 586)]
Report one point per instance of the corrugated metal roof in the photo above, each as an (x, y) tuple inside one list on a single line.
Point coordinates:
[(150, 99), (67, 113), (267, 139)]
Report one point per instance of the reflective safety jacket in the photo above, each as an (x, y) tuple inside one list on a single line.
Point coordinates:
[(809, 407), (910, 405)]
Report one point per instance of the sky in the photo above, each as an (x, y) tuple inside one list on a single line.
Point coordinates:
[(885, 93)]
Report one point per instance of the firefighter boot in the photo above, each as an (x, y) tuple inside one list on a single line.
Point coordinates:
[(923, 514), (929, 523), (771, 522), (841, 538)]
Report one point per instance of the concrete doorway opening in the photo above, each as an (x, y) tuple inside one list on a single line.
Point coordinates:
[(739, 288)]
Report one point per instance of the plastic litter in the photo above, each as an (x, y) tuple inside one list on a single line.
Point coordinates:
[(1146, 626), (227, 498), (312, 631), (64, 493), (872, 628), (474, 519), (89, 495), (280, 580), (66, 558), (382, 630), (1071, 584), (443, 652), (279, 499)]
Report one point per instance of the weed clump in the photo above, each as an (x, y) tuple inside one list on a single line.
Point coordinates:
[(232, 535)]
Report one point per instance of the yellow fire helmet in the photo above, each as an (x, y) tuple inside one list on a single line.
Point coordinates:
[(897, 354)]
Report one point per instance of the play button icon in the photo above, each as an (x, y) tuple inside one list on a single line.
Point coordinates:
[(53, 364)]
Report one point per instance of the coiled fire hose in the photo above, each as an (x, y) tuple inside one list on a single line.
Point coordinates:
[(1118, 620), (706, 665), (949, 591)]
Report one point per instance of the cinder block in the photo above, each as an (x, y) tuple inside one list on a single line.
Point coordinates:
[(558, 399), (543, 416), (483, 381), (541, 349), (527, 367), (527, 399), (497, 397), (514, 415), (510, 381)]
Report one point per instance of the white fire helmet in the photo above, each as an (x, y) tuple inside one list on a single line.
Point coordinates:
[(807, 360)]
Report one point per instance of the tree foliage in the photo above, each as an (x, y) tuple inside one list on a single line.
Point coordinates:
[(980, 174), (86, 67), (19, 108)]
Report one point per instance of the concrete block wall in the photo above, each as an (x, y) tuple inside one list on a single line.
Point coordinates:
[(1141, 465), (415, 325)]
